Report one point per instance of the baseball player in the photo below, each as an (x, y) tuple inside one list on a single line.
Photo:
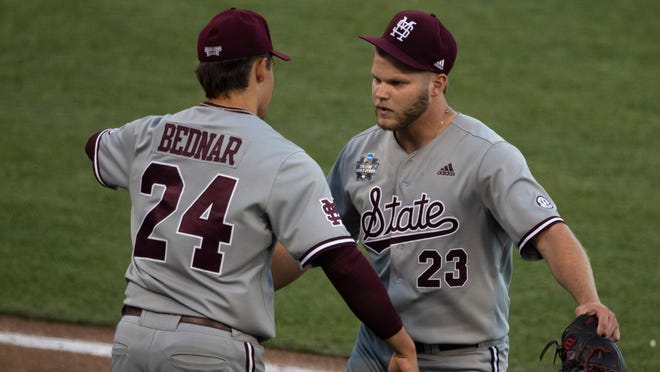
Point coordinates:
[(213, 188), (439, 199)]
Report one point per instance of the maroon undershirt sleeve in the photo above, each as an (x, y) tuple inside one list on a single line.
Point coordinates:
[(91, 143), (358, 284)]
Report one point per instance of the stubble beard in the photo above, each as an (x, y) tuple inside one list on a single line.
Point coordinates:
[(409, 116)]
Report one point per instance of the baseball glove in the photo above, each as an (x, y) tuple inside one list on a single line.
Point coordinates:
[(582, 349)]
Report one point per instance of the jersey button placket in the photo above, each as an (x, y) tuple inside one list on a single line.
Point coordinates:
[(404, 185), (402, 191), (397, 255)]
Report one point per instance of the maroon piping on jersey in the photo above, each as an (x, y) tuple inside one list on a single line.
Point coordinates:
[(310, 256), (494, 358), (227, 108), (91, 145), (249, 357), (92, 148), (536, 230)]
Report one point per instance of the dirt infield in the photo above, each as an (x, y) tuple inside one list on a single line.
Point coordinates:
[(22, 359)]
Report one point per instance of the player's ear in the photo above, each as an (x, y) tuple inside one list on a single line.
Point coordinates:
[(261, 68), (438, 84)]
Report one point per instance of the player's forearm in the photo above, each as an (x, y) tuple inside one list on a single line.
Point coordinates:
[(568, 263), (357, 283), (284, 268)]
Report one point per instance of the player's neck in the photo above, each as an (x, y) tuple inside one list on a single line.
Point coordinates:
[(235, 102), (424, 130)]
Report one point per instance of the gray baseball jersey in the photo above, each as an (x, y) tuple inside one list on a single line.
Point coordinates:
[(219, 187), (440, 224)]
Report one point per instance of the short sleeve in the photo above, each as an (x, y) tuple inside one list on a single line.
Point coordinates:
[(337, 180), (114, 151), (302, 212), (516, 200)]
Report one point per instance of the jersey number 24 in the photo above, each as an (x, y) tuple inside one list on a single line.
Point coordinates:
[(204, 218)]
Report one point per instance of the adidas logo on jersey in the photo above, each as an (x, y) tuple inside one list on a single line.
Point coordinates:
[(447, 170)]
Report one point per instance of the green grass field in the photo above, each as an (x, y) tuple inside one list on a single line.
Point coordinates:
[(574, 84)]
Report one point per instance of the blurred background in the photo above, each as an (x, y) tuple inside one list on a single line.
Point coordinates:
[(573, 84)]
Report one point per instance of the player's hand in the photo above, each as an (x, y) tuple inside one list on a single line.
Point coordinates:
[(608, 325), (404, 356), (403, 363)]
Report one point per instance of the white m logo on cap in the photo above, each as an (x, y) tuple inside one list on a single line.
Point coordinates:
[(403, 29)]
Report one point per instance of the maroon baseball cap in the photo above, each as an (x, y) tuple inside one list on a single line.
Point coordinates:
[(235, 33), (418, 40)]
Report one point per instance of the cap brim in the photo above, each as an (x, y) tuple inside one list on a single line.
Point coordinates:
[(394, 52), (280, 55)]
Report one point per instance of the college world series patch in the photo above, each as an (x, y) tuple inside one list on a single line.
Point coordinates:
[(366, 166)]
